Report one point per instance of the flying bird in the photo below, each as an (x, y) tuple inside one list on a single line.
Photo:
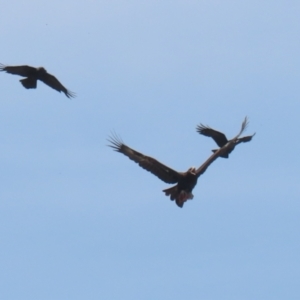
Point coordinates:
[(185, 181), (33, 74), (221, 139)]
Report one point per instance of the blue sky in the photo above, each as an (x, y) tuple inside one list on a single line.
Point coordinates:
[(80, 221)]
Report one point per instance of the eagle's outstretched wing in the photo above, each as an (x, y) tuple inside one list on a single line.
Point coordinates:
[(217, 136), (148, 163), (212, 158), (24, 71), (53, 82)]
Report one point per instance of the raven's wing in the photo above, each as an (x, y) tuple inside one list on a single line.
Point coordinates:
[(245, 139), (217, 136), (53, 82), (24, 71), (148, 163)]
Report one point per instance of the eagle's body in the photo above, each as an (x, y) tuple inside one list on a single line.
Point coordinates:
[(185, 181), (33, 75), (182, 191)]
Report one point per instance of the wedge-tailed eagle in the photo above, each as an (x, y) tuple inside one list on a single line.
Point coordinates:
[(185, 181)]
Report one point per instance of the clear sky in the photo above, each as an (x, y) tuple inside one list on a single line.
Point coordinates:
[(80, 221)]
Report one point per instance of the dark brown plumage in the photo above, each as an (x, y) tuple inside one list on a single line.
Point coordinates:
[(221, 139), (185, 181), (33, 74)]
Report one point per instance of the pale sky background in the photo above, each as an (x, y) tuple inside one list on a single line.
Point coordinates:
[(80, 221)]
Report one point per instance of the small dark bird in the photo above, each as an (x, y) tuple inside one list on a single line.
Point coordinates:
[(186, 181), (33, 74), (221, 139)]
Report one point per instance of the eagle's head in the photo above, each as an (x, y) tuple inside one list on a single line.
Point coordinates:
[(192, 170), (41, 70)]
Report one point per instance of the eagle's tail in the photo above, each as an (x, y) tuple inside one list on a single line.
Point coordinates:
[(29, 83), (179, 196), (172, 191)]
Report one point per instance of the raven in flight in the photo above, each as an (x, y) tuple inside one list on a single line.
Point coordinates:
[(221, 139), (33, 74)]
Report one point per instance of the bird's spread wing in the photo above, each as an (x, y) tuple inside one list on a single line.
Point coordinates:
[(245, 139), (53, 82), (24, 71), (217, 136), (211, 159), (150, 164), (243, 128)]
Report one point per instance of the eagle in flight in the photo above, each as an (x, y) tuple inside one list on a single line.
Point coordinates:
[(33, 75), (185, 181), (221, 140)]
